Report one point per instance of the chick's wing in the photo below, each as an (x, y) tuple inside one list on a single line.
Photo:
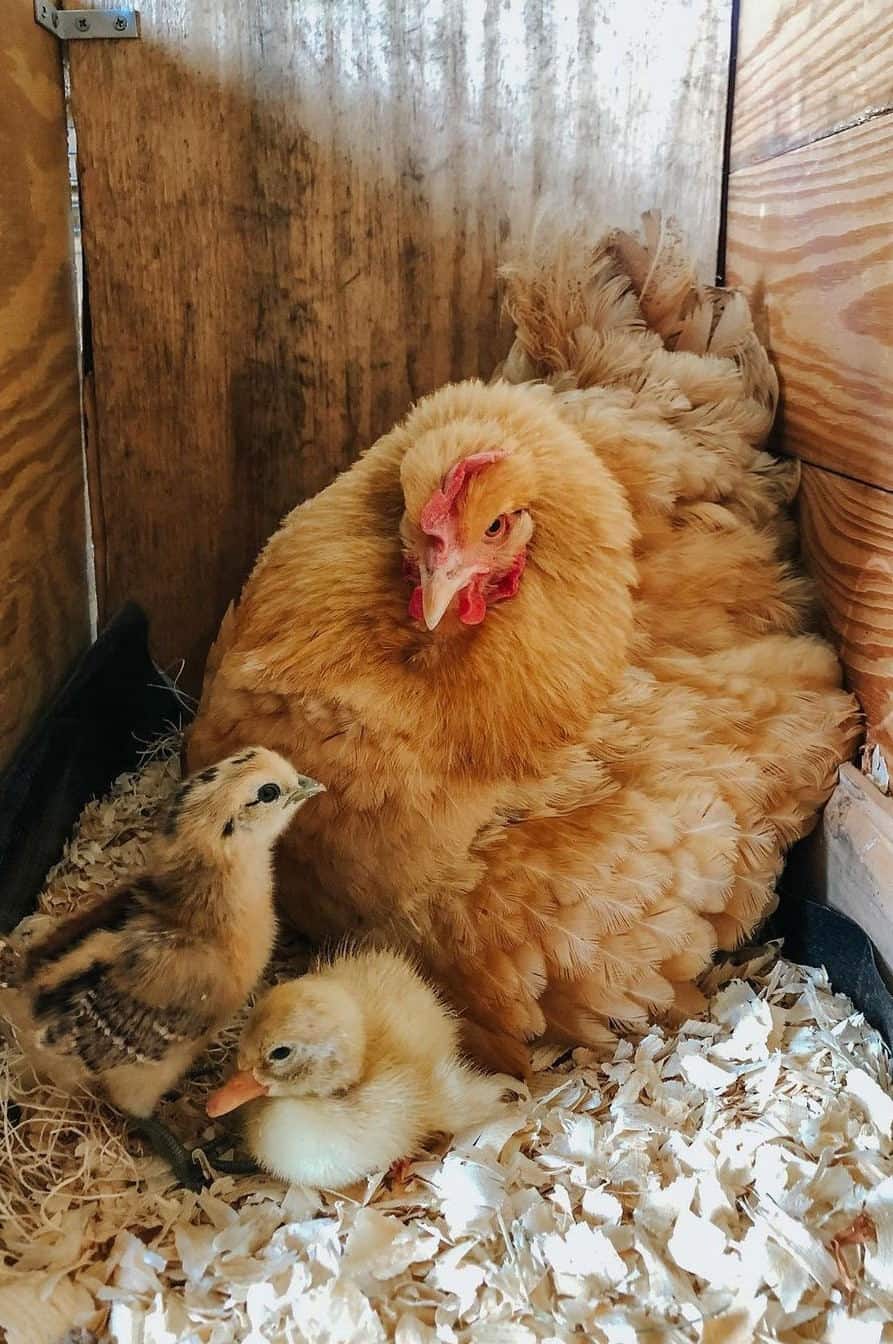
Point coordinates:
[(114, 1013)]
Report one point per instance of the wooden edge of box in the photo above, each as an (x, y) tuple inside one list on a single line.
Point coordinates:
[(849, 860)]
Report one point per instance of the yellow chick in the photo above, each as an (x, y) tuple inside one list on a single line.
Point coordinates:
[(349, 1069), (125, 995)]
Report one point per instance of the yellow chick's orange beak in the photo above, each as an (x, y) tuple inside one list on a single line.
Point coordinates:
[(235, 1092)]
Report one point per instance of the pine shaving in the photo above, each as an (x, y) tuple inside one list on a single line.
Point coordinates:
[(726, 1182)]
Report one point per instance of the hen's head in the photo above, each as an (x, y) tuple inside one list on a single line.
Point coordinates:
[(467, 526)]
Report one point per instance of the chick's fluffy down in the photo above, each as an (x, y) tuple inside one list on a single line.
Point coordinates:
[(398, 1065), (565, 809)]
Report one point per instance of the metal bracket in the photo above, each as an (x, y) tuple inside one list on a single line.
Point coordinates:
[(84, 24)]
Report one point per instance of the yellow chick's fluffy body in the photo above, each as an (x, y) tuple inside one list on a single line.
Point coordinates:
[(125, 994), (349, 1069), (548, 648)]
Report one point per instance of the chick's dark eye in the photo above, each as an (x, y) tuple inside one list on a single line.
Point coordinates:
[(268, 793), (279, 1052), (496, 527)]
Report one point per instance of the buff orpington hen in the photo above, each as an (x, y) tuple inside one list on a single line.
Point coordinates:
[(547, 647)]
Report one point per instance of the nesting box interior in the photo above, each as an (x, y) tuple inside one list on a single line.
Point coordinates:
[(292, 231), (287, 228)]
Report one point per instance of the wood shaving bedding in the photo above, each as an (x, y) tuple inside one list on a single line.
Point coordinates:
[(726, 1182)]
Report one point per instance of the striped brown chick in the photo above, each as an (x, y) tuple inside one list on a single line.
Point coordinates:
[(123, 996)]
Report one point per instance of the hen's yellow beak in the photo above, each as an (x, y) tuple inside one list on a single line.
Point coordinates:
[(439, 587)]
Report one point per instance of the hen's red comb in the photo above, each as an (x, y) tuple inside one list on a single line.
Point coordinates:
[(435, 516)]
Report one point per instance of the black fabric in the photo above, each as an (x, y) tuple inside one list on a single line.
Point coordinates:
[(816, 935), (113, 704)]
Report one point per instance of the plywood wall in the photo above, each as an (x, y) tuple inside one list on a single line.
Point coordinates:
[(43, 589), (293, 215), (810, 233)]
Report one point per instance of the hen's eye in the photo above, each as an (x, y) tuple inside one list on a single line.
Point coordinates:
[(268, 793), (279, 1052), (496, 528)]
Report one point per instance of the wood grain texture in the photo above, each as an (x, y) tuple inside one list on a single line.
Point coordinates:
[(847, 535), (806, 69), (810, 236), (293, 215), (43, 589)]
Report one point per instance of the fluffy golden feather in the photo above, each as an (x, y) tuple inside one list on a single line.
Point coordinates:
[(348, 1071), (582, 781)]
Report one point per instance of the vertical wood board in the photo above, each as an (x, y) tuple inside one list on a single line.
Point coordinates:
[(43, 584), (806, 69), (847, 533), (810, 236), (293, 216)]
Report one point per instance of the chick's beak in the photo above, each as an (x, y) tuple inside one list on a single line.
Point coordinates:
[(235, 1092), (439, 587), (307, 788)]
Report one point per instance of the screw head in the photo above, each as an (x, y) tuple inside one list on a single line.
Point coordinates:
[(120, 24), (82, 25)]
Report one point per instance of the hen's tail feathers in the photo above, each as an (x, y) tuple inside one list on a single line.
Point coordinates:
[(699, 319), (626, 325), (565, 297), (561, 294), (661, 275)]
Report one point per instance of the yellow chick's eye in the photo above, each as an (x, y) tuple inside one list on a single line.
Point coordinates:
[(268, 793), (278, 1052)]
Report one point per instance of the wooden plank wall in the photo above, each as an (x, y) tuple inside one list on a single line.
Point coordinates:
[(293, 214), (43, 584), (810, 234)]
